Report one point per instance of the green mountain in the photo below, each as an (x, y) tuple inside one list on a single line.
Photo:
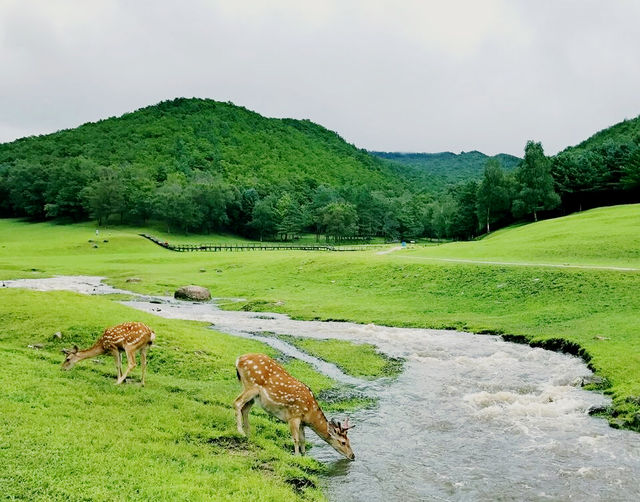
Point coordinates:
[(438, 170), (192, 135)]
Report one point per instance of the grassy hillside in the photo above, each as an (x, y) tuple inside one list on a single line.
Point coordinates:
[(608, 236), (595, 309), (187, 135), (437, 170)]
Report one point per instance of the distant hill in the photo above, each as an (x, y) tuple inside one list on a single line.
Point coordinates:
[(437, 170), (191, 135)]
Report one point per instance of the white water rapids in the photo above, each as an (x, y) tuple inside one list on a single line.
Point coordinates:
[(470, 418)]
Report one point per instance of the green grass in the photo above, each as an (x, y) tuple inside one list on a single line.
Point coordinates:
[(608, 236), (359, 360), (75, 435), (595, 309)]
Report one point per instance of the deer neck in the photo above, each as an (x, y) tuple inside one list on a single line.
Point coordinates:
[(96, 350), (320, 425)]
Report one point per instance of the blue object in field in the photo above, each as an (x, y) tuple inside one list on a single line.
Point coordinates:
[(404, 244)]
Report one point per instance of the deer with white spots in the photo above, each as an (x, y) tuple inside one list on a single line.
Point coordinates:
[(265, 381), (129, 337)]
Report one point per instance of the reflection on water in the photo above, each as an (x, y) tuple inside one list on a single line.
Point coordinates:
[(471, 417)]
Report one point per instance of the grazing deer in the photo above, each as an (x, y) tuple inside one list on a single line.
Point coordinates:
[(130, 337), (288, 399)]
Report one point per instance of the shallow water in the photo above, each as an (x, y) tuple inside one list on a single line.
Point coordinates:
[(471, 418)]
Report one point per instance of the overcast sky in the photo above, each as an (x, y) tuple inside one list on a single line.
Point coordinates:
[(400, 75)]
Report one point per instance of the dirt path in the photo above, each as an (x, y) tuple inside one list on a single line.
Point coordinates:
[(520, 264), (387, 251)]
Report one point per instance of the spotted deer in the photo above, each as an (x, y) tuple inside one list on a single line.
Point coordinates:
[(265, 381), (129, 337)]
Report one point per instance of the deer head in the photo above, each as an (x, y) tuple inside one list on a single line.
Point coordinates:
[(71, 359), (338, 438)]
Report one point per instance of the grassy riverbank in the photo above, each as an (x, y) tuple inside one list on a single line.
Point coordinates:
[(595, 309), (75, 435)]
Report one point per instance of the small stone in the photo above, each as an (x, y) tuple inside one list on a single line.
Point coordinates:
[(36, 346), (95, 246), (57, 335)]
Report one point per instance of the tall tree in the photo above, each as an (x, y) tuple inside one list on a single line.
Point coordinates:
[(493, 194), (340, 220), (290, 215), (536, 191), (464, 224), (264, 218), (631, 174), (104, 196)]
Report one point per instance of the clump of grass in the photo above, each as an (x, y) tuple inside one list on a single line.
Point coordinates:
[(361, 360)]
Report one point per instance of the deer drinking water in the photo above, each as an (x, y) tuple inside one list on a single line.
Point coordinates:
[(129, 337), (290, 400)]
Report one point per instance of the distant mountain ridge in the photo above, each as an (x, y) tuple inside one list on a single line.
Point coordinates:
[(438, 170)]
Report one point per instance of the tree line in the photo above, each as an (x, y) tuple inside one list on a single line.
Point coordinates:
[(193, 200)]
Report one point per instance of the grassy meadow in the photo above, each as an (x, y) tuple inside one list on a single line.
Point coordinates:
[(175, 439), (607, 236), (75, 435)]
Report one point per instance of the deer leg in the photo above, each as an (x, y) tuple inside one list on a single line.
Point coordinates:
[(131, 363), (294, 425), (302, 440), (143, 361), (242, 405), (116, 355)]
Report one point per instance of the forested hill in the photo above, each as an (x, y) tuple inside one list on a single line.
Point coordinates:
[(202, 165), (202, 135), (602, 170), (627, 131), (438, 170)]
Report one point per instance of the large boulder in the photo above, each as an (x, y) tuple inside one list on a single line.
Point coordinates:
[(196, 293)]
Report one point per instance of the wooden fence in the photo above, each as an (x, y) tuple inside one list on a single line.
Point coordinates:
[(247, 247)]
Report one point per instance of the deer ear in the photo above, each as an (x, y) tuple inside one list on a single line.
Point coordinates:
[(65, 351), (75, 349)]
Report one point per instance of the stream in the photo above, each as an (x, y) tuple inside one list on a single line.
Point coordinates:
[(471, 417)]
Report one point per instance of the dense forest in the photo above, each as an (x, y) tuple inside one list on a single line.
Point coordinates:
[(198, 165), (602, 170)]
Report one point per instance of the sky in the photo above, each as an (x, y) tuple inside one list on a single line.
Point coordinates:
[(400, 75)]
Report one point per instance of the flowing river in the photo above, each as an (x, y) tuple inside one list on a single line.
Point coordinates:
[(470, 418)]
